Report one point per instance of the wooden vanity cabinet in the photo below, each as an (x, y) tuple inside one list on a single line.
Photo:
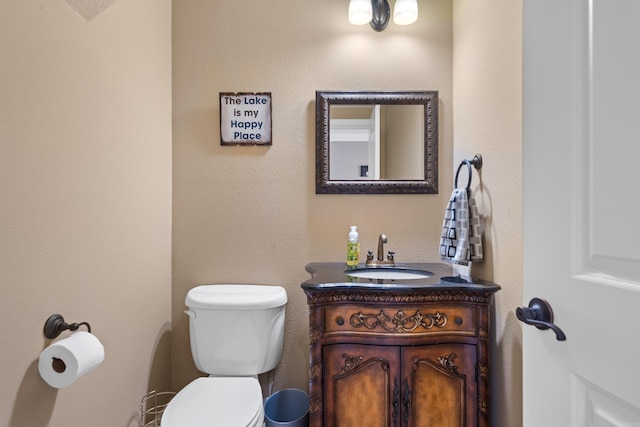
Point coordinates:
[(381, 386), (402, 357)]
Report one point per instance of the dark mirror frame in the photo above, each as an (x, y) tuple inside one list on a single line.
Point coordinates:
[(428, 185)]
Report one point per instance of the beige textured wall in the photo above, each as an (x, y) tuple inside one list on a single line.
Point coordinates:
[(250, 214), (85, 170), (85, 203), (488, 120)]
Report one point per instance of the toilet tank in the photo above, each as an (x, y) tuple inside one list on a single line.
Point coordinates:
[(236, 330)]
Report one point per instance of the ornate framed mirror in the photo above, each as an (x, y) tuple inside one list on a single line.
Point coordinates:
[(376, 142)]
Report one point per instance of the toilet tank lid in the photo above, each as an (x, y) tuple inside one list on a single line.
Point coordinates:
[(236, 297)]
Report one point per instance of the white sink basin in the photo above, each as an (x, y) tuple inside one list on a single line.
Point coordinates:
[(388, 273)]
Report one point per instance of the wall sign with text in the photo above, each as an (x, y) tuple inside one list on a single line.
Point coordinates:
[(245, 118)]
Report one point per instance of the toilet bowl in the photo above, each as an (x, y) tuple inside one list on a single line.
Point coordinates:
[(236, 332), (216, 402)]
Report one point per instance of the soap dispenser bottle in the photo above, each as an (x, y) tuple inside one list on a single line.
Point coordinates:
[(353, 248)]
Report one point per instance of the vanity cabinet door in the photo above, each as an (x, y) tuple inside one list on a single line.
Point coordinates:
[(439, 386), (361, 385)]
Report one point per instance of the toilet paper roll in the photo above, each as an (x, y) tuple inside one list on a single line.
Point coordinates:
[(65, 361)]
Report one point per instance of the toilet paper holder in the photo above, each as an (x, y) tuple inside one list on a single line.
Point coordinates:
[(55, 325)]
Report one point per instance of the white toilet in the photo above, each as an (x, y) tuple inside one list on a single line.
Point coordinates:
[(236, 333)]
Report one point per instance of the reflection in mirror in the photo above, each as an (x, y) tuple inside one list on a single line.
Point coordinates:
[(358, 142), (376, 142)]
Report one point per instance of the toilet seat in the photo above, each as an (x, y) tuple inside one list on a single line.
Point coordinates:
[(216, 402)]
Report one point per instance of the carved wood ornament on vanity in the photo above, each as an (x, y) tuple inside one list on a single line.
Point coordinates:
[(409, 356)]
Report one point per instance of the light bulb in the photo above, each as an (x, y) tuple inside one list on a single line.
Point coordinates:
[(360, 12), (405, 12)]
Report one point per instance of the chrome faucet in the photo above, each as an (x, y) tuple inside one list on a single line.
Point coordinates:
[(382, 239)]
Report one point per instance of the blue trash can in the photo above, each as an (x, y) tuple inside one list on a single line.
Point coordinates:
[(288, 407)]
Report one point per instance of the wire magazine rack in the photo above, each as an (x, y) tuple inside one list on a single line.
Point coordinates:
[(152, 407)]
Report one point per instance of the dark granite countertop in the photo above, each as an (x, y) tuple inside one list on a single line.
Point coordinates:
[(332, 276)]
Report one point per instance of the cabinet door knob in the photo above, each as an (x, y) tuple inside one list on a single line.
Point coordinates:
[(406, 400), (540, 315), (395, 402)]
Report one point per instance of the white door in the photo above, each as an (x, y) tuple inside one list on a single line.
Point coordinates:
[(581, 192), (375, 160)]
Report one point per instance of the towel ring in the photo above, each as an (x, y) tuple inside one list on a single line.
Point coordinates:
[(476, 162)]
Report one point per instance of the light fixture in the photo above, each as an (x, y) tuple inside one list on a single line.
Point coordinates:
[(378, 12), (405, 12), (360, 12)]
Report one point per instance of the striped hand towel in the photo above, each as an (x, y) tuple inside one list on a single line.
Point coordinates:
[(461, 239)]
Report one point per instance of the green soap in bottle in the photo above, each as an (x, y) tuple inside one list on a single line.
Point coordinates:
[(353, 248)]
